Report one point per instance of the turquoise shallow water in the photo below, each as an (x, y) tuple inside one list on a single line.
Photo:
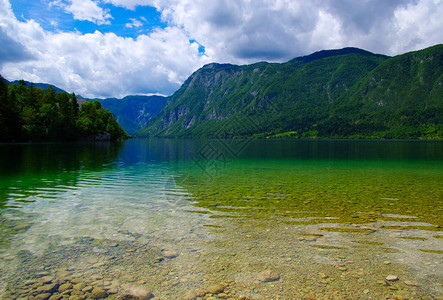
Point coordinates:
[(330, 218)]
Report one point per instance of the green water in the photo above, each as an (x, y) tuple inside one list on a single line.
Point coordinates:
[(332, 218)]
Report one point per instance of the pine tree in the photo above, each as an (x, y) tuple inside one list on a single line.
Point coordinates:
[(9, 116), (75, 106)]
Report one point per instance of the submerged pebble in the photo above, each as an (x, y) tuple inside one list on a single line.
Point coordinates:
[(392, 278), (190, 295), (215, 289), (411, 283), (64, 287), (268, 276), (98, 293), (169, 254), (43, 296), (137, 292)]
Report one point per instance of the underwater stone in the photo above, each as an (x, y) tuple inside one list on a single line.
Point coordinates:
[(98, 293), (87, 289), (21, 227), (268, 275), (137, 292), (64, 287), (410, 283), (43, 296), (391, 278), (47, 279), (215, 289), (190, 295), (30, 282), (79, 286), (169, 254), (47, 288)]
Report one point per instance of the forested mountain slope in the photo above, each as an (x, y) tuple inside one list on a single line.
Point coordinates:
[(132, 112), (335, 93)]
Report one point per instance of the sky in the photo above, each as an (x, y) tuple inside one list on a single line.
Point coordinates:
[(114, 48)]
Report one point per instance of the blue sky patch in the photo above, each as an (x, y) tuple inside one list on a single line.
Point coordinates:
[(124, 22)]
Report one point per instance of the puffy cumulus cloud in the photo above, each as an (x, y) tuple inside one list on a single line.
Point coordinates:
[(246, 31), (418, 25), (11, 50), (101, 65), (85, 10), (234, 31), (388, 27), (131, 4), (106, 65), (362, 16)]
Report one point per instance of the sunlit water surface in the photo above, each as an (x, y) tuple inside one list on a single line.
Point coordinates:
[(239, 219)]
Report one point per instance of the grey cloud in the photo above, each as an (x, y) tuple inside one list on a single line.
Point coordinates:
[(362, 16), (263, 37), (224, 13), (280, 30), (12, 51), (258, 31)]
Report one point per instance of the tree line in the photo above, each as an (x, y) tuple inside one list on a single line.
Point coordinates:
[(30, 113)]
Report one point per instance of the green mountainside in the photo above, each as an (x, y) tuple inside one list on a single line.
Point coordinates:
[(347, 93), (401, 98), (132, 112)]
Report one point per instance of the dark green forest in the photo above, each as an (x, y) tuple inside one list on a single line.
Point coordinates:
[(30, 113)]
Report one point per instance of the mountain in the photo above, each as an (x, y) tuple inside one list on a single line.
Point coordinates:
[(333, 93), (39, 85), (132, 112), (401, 98)]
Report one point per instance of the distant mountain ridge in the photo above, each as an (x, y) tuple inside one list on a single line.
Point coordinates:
[(335, 52), (40, 85), (133, 112), (348, 93)]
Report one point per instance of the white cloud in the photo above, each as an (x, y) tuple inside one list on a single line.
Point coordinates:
[(107, 65), (235, 31), (85, 10), (131, 4), (134, 23), (101, 65), (246, 31), (417, 25)]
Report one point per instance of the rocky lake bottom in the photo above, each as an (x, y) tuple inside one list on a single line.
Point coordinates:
[(249, 229), (292, 263)]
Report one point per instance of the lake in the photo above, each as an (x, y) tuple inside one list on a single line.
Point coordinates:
[(233, 219)]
